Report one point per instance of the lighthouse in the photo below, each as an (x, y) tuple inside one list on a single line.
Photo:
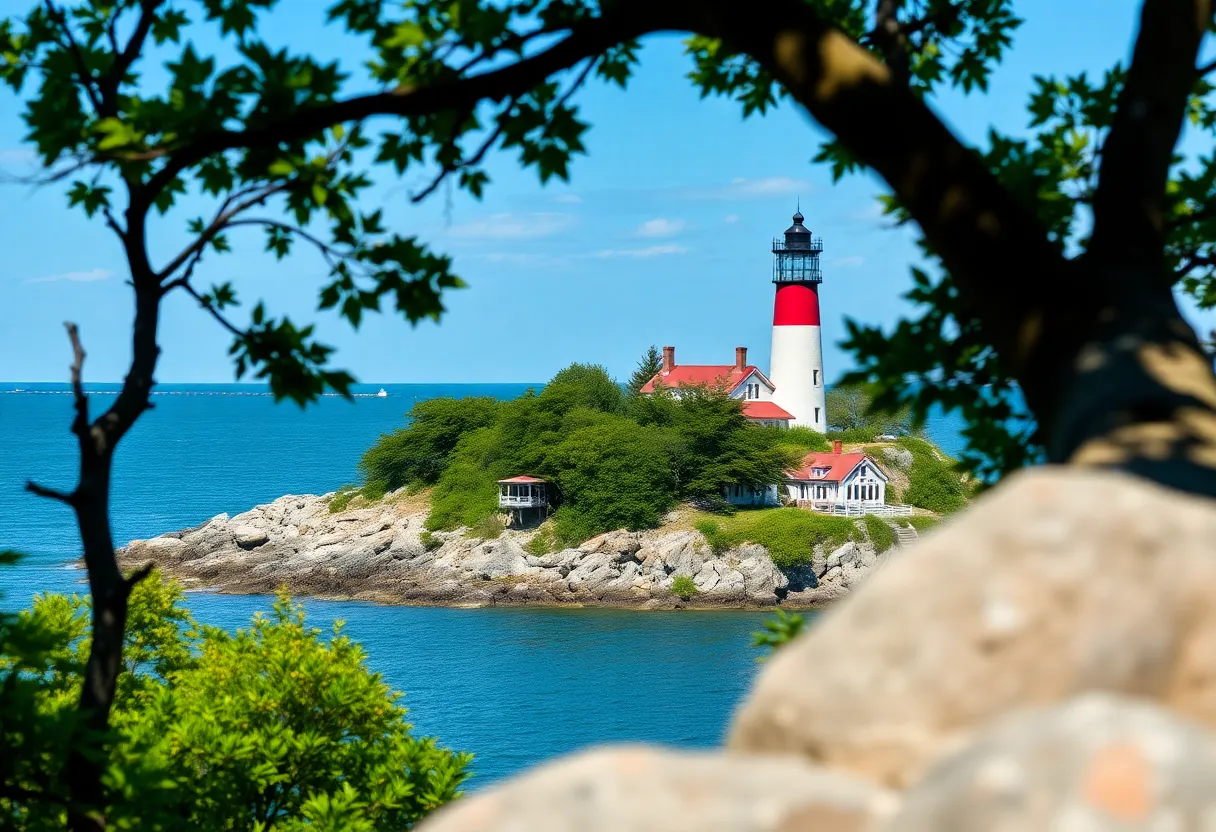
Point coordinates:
[(796, 367)]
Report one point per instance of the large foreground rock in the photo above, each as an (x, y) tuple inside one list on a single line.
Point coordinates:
[(1097, 763), (1057, 582), (644, 789)]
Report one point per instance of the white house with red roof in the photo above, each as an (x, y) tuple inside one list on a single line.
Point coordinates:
[(828, 481), (739, 381)]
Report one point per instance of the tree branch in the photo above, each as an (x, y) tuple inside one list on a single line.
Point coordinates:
[(65, 497), (210, 307), (82, 69), (892, 40), (587, 38), (1129, 206), (80, 425), (130, 53), (232, 206)]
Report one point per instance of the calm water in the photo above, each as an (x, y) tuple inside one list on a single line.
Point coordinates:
[(514, 686)]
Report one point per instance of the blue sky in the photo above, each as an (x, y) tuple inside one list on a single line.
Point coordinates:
[(661, 236)]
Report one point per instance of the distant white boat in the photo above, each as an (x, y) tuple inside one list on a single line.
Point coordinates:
[(381, 393)]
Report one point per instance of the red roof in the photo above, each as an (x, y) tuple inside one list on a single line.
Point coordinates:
[(838, 466), (765, 410), (726, 377), (522, 479)]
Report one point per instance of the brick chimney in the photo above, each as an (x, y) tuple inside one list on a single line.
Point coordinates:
[(740, 357), (837, 447), (669, 359)]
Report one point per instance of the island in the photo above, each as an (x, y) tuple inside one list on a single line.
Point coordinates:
[(587, 494)]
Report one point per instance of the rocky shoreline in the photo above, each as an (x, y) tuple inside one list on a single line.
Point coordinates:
[(380, 553)]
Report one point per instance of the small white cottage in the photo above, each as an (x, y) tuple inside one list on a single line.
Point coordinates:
[(825, 481)]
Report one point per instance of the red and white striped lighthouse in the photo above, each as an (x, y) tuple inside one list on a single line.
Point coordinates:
[(797, 358)]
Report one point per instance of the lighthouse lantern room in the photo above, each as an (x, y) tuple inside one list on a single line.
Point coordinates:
[(797, 356)]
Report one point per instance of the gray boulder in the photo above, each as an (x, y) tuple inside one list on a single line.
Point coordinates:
[(646, 789), (1056, 582), (1097, 762)]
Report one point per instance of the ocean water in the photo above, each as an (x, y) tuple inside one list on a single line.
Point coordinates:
[(514, 686)]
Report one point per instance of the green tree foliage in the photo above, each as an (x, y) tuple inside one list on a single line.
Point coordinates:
[(613, 474), (271, 728), (417, 455), (648, 366), (585, 386), (853, 416), (615, 462)]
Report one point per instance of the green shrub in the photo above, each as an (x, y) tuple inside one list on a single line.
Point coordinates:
[(278, 726), (880, 533), (922, 522), (543, 542), (789, 534), (934, 483), (487, 528), (373, 491), (429, 541), (779, 629), (420, 453), (712, 532), (684, 587), (342, 498)]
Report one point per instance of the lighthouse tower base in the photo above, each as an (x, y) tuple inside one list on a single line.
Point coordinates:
[(797, 371)]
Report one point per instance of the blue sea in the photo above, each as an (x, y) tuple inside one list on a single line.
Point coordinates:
[(513, 686)]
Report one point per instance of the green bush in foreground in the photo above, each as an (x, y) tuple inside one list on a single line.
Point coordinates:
[(429, 542), (341, 500), (714, 537), (880, 533), (779, 629), (684, 587), (273, 728)]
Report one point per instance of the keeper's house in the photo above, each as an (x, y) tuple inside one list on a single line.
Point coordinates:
[(826, 481)]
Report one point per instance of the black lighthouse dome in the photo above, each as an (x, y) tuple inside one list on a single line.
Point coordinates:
[(797, 236)]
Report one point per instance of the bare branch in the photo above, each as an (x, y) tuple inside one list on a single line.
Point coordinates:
[(1129, 206), (138, 575), (65, 497), (1205, 69), (80, 425)]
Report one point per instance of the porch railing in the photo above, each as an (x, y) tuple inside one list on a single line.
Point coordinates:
[(856, 509)]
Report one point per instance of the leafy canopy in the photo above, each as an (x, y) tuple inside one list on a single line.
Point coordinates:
[(272, 728)]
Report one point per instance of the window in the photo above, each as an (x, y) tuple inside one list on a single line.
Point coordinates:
[(816, 415), (815, 377)]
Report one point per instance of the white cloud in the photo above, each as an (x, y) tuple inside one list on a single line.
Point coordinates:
[(740, 188), (524, 258), (848, 262), (649, 251), (660, 227), (731, 219), (568, 199), (75, 277), (514, 226)]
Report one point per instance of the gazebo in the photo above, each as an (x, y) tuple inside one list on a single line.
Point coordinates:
[(522, 494)]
